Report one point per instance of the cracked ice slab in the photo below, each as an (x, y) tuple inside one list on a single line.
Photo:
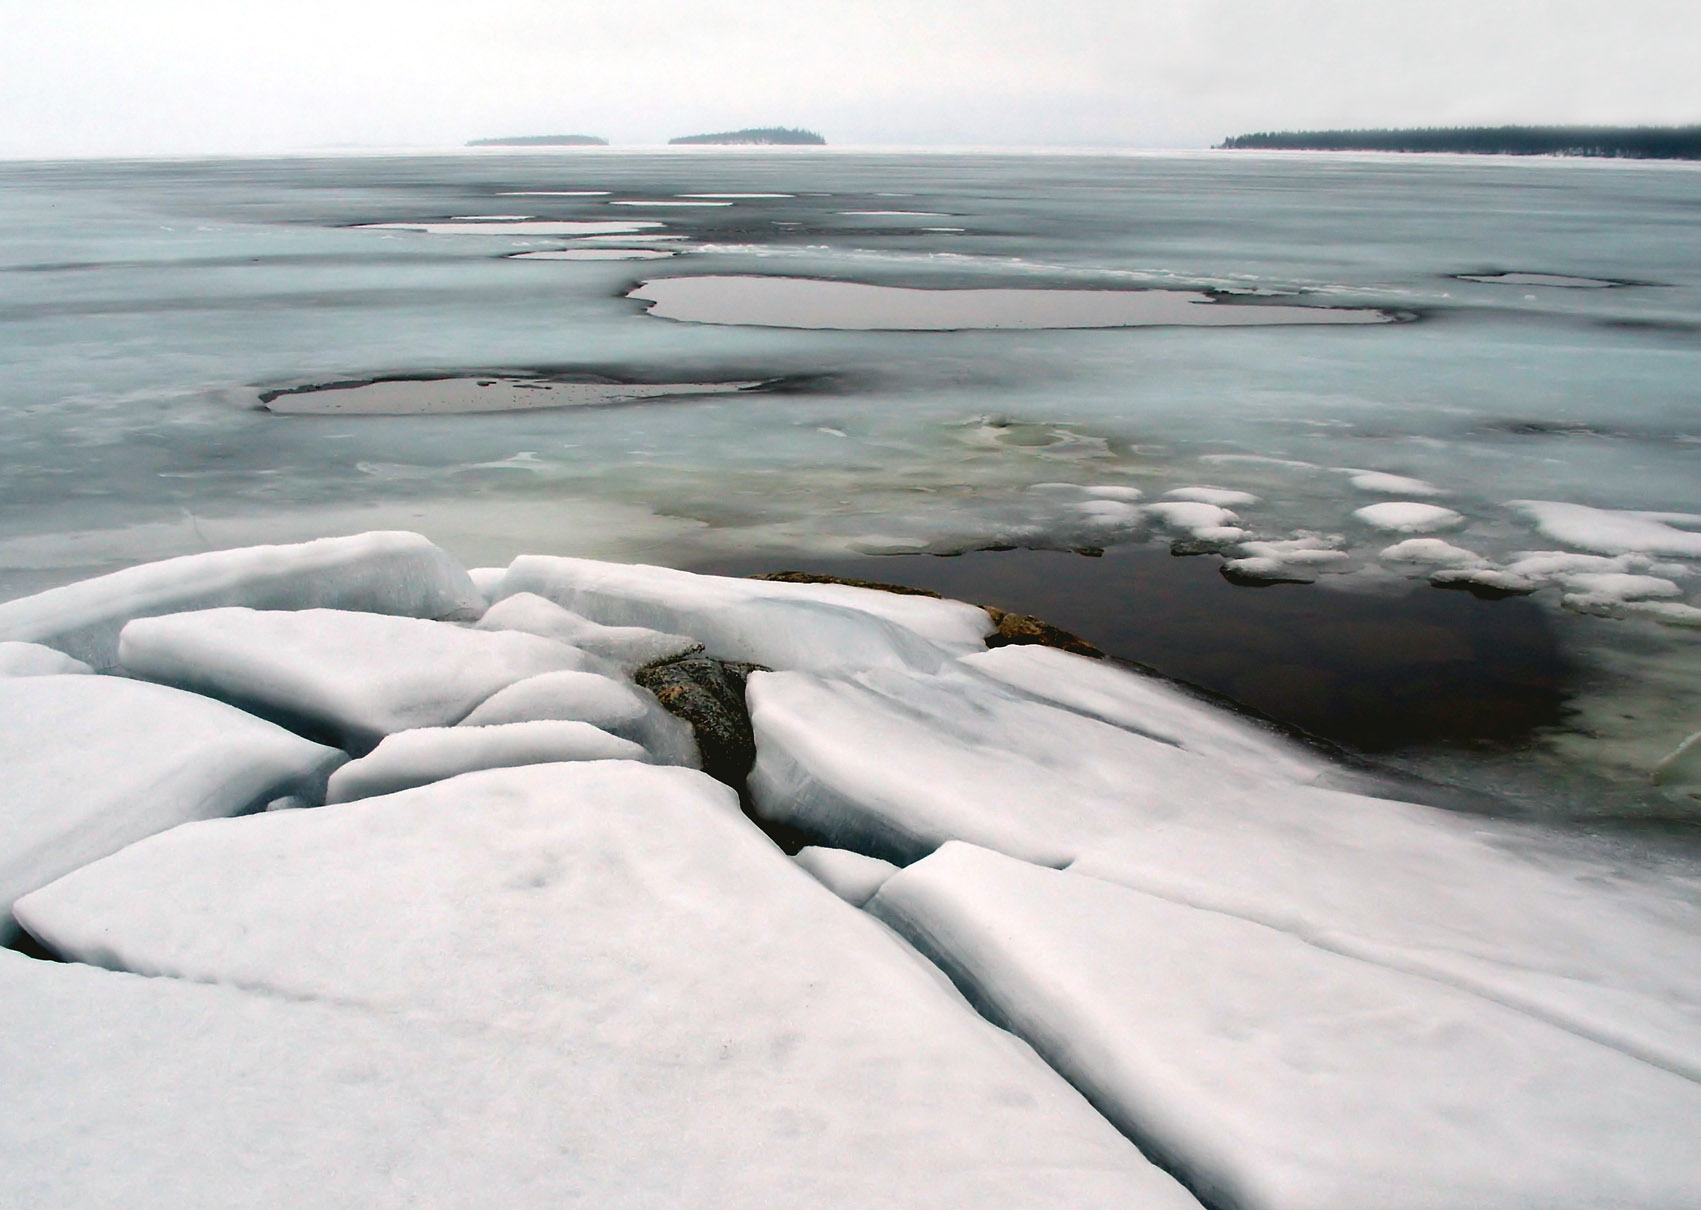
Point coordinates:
[(358, 676), (94, 763), (894, 764), (767, 622), (615, 706), (382, 572), (675, 1012), (1273, 1075), (427, 754)]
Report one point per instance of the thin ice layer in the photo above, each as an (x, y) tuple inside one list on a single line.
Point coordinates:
[(895, 764), (696, 1021), (1274, 1075), (384, 572), (357, 676), (779, 625), (427, 754), (618, 708), (93, 763)]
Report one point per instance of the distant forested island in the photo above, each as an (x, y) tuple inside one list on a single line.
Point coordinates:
[(543, 140), (761, 135), (1626, 142)]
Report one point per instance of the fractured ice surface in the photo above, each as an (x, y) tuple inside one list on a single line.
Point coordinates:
[(387, 572), (93, 763), (776, 624), (32, 659), (894, 764), (427, 754), (1273, 1074), (359, 676), (604, 963), (851, 876), (627, 646), (618, 708)]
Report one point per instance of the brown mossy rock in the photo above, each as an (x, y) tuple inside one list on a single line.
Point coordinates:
[(1016, 629), (708, 694)]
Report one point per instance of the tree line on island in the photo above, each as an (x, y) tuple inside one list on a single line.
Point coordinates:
[(1616, 142), (754, 136)]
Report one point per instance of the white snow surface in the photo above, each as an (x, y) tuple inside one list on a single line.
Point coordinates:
[(1223, 497), (1432, 551), (359, 675), (1386, 484), (851, 876), (381, 572), (485, 578), (32, 659), (628, 647), (1209, 522), (622, 975), (779, 625), (1408, 517), (93, 763), (618, 708), (429, 754), (1272, 1074), (1614, 531), (894, 764)]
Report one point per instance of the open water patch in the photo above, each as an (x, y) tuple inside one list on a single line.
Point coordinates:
[(440, 395), (760, 300)]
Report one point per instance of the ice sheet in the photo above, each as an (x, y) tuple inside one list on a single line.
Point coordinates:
[(620, 709), (1408, 517), (430, 754), (32, 659), (93, 763), (688, 1016), (851, 876), (1274, 1075), (384, 572), (357, 676), (628, 647), (779, 625), (1615, 531)]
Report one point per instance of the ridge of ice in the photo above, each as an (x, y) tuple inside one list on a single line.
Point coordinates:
[(851, 876), (391, 572), (32, 659), (618, 708), (430, 754), (1273, 1075), (358, 675), (93, 763), (777, 624)]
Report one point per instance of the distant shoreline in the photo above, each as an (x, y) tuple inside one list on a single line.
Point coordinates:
[(1592, 142)]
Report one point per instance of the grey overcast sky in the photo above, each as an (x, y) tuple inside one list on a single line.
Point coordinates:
[(143, 77)]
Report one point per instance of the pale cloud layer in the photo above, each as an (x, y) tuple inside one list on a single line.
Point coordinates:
[(117, 77)]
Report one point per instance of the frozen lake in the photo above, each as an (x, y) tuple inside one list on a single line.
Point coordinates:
[(1532, 427)]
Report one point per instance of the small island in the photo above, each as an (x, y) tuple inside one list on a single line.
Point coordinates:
[(543, 140), (757, 136), (1616, 142)]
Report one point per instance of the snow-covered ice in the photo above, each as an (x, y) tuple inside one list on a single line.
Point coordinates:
[(1408, 517), (1387, 484), (32, 659), (1615, 531), (385, 572), (626, 646), (779, 625), (359, 676), (679, 1010), (1431, 551), (1223, 497), (1272, 1074), (93, 763), (618, 708), (428, 754), (851, 876)]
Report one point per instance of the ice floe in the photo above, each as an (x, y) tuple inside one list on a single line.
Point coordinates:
[(32, 659), (93, 763), (1389, 485), (427, 754), (1286, 560), (618, 708), (1204, 521), (1272, 1074), (1432, 552), (1223, 497), (542, 227), (355, 676), (1615, 531), (851, 876), (394, 573), (775, 624), (1408, 517), (603, 963), (627, 646)]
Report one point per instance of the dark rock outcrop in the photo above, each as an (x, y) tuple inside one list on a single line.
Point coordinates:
[(1015, 629), (709, 694)]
